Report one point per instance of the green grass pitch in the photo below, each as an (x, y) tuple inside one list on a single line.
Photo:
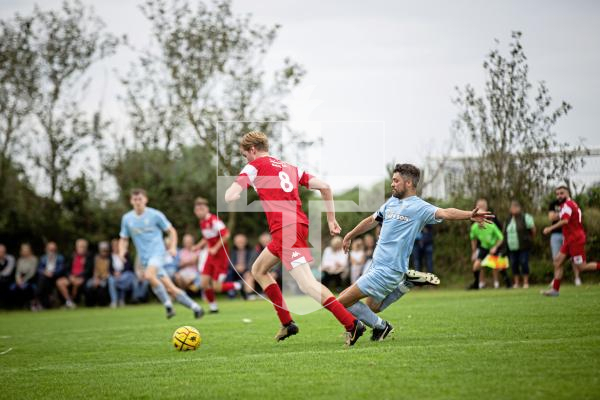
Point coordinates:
[(493, 344)]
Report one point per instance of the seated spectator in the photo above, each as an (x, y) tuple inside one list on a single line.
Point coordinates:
[(25, 277), (369, 244), (77, 270), (50, 268), (7, 275), (423, 249), (263, 241), (357, 259), (334, 265), (242, 257), (123, 275), (187, 276), (141, 284), (101, 278), (171, 262)]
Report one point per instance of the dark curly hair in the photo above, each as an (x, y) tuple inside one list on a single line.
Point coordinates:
[(409, 172)]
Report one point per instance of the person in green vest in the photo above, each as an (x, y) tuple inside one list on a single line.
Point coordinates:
[(519, 231), (485, 239)]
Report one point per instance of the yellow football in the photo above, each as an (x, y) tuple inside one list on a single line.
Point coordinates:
[(186, 338)]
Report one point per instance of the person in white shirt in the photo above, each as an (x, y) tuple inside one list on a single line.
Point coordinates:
[(334, 265)]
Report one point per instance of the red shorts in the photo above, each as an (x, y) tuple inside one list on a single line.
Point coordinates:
[(216, 267), (290, 244), (575, 250)]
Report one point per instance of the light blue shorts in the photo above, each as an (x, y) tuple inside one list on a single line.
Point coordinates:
[(379, 281), (158, 262)]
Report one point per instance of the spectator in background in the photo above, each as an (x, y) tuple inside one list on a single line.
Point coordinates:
[(357, 259), (556, 236), (50, 268), (263, 241), (7, 275), (77, 271), (171, 262), (122, 273), (369, 244), (423, 249), (485, 239), (519, 231), (100, 280), (24, 287), (187, 276), (141, 285), (242, 257), (334, 265)]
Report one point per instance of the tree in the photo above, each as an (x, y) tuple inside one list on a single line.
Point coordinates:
[(18, 87), (517, 153), (66, 43), (205, 81)]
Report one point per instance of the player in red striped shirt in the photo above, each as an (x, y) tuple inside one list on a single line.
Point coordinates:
[(276, 183), (574, 239), (214, 235)]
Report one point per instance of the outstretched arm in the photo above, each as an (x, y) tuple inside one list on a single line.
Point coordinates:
[(327, 195), (456, 214), (233, 192), (363, 226)]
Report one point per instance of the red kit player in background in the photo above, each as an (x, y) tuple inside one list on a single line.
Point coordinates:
[(214, 235), (574, 239), (276, 183)]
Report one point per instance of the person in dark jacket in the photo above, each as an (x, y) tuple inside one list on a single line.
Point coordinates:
[(242, 257), (50, 269), (519, 231)]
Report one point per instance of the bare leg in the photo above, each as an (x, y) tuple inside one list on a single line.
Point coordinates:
[(309, 285), (591, 266), (62, 284)]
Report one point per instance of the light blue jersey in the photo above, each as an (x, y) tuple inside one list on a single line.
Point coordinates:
[(146, 231), (402, 221)]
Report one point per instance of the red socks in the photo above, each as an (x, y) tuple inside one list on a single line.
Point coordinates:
[(274, 294), (340, 312), (598, 265), (209, 293), (227, 286), (556, 284)]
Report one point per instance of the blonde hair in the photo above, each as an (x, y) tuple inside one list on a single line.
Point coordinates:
[(255, 139)]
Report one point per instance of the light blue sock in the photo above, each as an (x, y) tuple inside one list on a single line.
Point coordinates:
[(186, 300), (362, 311), (160, 292), (400, 291)]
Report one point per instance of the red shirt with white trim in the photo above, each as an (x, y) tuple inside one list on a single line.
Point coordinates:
[(276, 183), (573, 231), (212, 230)]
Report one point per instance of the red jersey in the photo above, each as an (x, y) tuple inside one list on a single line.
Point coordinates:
[(212, 230), (573, 231), (276, 183)]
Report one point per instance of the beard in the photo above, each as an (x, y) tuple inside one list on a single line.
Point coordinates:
[(399, 194), (561, 201)]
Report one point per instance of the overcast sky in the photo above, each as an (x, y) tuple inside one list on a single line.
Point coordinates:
[(396, 62)]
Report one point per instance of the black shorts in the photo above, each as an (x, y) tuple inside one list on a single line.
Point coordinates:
[(482, 253)]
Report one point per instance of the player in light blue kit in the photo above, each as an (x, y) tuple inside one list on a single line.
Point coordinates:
[(145, 226), (402, 217)]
